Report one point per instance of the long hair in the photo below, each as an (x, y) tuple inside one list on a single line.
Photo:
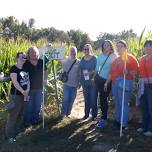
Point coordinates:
[(35, 49), (111, 45)]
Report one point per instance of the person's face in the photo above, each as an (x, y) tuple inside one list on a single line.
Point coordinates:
[(107, 47), (32, 55), (73, 52), (21, 58), (86, 50), (121, 48), (148, 49)]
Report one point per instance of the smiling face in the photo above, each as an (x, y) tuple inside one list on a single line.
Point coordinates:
[(87, 50), (33, 53), (121, 48), (21, 58), (148, 49), (107, 48), (73, 52)]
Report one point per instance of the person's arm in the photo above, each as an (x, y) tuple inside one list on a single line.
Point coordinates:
[(28, 88), (62, 61), (94, 72), (16, 84), (134, 71), (79, 77), (106, 83)]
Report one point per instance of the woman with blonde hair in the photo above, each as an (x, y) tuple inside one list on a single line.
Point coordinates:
[(71, 66), (87, 68), (34, 65)]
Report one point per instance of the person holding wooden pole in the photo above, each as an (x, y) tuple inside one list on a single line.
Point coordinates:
[(123, 70)]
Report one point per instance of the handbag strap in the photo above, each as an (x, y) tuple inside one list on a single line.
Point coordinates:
[(104, 63), (71, 66)]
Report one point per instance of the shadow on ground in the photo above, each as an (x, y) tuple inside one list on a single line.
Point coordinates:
[(75, 135)]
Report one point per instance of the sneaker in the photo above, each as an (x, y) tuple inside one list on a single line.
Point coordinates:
[(93, 118), (11, 140), (101, 123), (140, 130), (69, 116), (148, 133), (124, 128)]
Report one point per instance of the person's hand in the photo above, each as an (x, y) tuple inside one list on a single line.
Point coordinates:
[(27, 91), (24, 92), (105, 87), (92, 81), (125, 71)]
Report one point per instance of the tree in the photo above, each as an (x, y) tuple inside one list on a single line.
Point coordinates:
[(125, 34), (78, 38), (31, 23)]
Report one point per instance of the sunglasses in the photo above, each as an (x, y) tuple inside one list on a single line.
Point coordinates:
[(23, 57), (86, 49)]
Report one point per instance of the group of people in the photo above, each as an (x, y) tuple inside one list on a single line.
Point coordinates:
[(26, 91), (112, 71)]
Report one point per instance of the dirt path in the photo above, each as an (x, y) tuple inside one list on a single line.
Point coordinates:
[(78, 113), (78, 106)]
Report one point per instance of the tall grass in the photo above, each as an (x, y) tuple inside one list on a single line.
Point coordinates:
[(9, 48)]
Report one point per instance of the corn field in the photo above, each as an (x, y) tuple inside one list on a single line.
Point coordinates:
[(9, 48)]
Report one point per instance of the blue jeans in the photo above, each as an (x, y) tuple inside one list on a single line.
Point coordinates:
[(146, 107), (90, 97), (118, 93), (69, 95), (33, 107)]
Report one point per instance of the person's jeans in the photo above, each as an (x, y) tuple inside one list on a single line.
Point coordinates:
[(33, 107), (14, 120), (146, 107), (118, 93), (90, 97), (69, 95)]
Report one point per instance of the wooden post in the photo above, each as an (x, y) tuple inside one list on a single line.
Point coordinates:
[(55, 84)]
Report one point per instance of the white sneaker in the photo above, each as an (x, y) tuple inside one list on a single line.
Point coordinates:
[(148, 133), (140, 130), (11, 140)]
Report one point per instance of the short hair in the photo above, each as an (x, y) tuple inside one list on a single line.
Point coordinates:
[(75, 48), (111, 44), (33, 48), (123, 42), (148, 42), (18, 54)]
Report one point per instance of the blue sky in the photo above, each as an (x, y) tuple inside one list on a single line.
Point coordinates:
[(90, 16)]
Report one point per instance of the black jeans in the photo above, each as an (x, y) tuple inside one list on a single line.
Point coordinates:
[(99, 81)]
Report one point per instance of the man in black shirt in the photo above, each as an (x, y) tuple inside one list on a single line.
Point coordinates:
[(34, 66)]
